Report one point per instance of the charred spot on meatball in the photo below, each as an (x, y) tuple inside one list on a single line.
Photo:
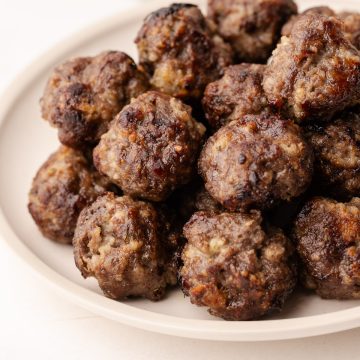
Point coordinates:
[(337, 155), (239, 92), (327, 236), (252, 27), (256, 161), (84, 94), (315, 72), (179, 51), (121, 242), (235, 266), (151, 147), (62, 187)]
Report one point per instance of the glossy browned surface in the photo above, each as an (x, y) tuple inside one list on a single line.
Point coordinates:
[(122, 243), (252, 27), (315, 72), (256, 161), (84, 94), (151, 147), (327, 236), (235, 267)]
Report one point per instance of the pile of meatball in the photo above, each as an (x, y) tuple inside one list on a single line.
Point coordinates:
[(227, 161)]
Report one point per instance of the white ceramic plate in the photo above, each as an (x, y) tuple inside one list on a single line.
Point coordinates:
[(26, 141)]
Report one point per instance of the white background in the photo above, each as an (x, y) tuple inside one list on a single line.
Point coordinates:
[(34, 321)]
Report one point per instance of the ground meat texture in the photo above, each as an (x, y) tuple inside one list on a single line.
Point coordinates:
[(236, 267), (327, 235), (62, 187), (151, 147), (351, 22), (121, 242), (256, 161), (84, 94), (337, 155), (315, 72), (252, 27), (239, 92), (179, 51)]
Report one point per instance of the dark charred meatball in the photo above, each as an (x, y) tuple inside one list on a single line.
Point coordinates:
[(252, 27), (121, 242), (84, 94), (151, 147), (256, 161), (235, 267), (351, 22), (315, 72), (337, 155), (317, 10), (239, 92), (327, 234), (62, 187), (179, 52)]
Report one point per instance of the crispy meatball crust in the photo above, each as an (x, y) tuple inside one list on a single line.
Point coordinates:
[(179, 51), (351, 22), (62, 187), (151, 147), (120, 242), (239, 92), (256, 161), (315, 72), (327, 235), (84, 94), (235, 267), (252, 27), (337, 155)]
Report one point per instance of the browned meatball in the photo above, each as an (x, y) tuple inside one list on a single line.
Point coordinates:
[(252, 27), (122, 243), (327, 234), (239, 92), (151, 147), (351, 22), (256, 161), (84, 94), (314, 72), (337, 155), (62, 187), (236, 267), (316, 10), (177, 49)]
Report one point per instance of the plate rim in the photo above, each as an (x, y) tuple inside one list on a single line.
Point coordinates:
[(145, 319)]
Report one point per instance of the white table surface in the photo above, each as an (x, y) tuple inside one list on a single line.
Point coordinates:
[(34, 321)]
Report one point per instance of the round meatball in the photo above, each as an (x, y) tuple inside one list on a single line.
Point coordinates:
[(239, 92), (351, 22), (151, 147), (327, 236), (252, 27), (63, 186), (256, 161), (337, 155), (236, 267), (84, 94), (315, 72), (179, 52), (122, 243)]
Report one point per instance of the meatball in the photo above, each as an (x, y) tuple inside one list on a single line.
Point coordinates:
[(315, 72), (84, 94), (179, 51), (62, 187), (337, 154), (256, 161), (317, 10), (151, 147), (236, 267), (252, 27), (351, 22), (239, 92), (122, 243), (327, 236)]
